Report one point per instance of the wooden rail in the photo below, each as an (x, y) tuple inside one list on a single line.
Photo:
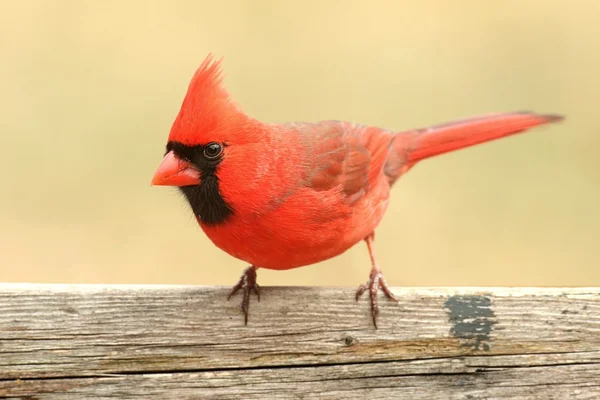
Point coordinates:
[(184, 342)]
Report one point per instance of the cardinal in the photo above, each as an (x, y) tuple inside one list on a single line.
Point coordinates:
[(282, 196)]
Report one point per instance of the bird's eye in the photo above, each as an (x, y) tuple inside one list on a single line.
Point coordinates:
[(213, 150)]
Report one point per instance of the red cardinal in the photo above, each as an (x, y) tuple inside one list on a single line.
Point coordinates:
[(283, 196)]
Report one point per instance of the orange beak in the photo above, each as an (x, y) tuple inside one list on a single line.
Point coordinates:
[(173, 171)]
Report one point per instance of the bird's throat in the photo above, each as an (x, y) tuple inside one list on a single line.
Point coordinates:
[(206, 200)]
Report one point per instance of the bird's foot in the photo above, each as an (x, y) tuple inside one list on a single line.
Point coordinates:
[(376, 281), (248, 283)]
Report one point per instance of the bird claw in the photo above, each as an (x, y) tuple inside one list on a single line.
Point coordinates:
[(376, 281), (248, 283)]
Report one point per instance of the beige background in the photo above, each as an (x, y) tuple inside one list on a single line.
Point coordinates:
[(89, 89)]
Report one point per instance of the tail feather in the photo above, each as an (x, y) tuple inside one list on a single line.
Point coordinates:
[(413, 146)]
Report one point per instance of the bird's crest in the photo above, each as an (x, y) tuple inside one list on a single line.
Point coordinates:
[(205, 106)]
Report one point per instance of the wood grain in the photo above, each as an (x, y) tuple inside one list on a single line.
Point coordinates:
[(184, 342)]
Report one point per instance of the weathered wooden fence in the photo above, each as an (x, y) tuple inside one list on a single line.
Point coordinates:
[(183, 342)]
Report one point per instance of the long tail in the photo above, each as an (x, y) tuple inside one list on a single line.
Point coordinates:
[(410, 147)]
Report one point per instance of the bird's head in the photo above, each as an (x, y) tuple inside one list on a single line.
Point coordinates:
[(209, 134)]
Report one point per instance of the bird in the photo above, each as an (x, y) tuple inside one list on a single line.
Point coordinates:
[(286, 195)]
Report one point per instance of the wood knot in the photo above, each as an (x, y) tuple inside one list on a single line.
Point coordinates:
[(349, 340)]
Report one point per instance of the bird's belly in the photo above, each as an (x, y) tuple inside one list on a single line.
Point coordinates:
[(291, 237)]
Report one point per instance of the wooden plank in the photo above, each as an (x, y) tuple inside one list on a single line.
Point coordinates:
[(94, 341), (396, 380)]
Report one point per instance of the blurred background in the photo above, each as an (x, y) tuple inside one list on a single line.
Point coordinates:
[(89, 89)]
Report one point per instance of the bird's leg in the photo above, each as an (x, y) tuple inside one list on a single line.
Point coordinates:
[(248, 283), (376, 281)]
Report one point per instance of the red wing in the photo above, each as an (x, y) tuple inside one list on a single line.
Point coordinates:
[(346, 155)]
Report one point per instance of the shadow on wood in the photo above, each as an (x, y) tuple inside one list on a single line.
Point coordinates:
[(183, 342)]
